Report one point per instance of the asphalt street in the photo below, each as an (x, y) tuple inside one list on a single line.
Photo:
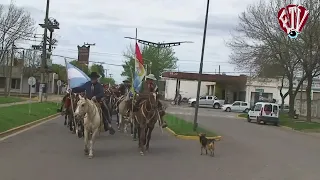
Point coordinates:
[(247, 152)]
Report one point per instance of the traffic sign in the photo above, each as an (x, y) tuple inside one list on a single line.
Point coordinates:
[(59, 82), (32, 81)]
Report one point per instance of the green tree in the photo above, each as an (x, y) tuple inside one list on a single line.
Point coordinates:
[(60, 70), (98, 68), (158, 59), (105, 80), (82, 67)]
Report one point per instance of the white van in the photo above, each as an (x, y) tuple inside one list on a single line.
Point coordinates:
[(264, 112)]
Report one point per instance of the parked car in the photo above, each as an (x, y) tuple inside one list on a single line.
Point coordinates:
[(285, 108), (237, 106), (264, 112), (209, 101)]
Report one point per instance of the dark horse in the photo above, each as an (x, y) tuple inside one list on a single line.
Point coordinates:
[(145, 116)]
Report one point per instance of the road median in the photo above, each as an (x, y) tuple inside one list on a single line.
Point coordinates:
[(16, 118), (183, 129)]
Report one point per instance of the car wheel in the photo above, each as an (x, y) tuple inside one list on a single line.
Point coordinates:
[(228, 109), (193, 104), (216, 106), (248, 118), (246, 110), (258, 120)]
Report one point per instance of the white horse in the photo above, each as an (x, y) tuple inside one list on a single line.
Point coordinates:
[(92, 115), (123, 113)]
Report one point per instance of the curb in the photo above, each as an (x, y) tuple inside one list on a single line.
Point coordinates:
[(218, 138), (25, 126)]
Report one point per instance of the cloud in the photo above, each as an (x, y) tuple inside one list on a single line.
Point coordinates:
[(107, 22)]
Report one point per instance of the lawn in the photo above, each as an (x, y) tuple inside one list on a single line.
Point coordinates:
[(297, 124), (5, 100), (182, 127), (17, 115)]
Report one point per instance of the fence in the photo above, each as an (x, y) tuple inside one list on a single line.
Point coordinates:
[(315, 107)]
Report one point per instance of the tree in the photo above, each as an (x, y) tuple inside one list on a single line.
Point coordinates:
[(307, 48), (106, 80), (61, 71), (98, 68), (16, 25), (258, 44), (158, 59), (82, 67)]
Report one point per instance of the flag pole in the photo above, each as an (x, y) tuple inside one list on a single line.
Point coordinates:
[(70, 92)]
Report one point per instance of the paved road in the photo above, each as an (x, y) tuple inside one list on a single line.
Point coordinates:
[(260, 151), (248, 151)]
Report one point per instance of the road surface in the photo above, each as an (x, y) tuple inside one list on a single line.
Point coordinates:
[(247, 152)]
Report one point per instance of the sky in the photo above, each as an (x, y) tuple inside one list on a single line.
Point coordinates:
[(107, 22)]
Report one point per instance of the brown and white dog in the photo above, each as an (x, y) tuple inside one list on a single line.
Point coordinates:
[(207, 144)]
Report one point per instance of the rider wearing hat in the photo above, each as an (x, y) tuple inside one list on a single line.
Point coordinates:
[(94, 91), (124, 87), (150, 86)]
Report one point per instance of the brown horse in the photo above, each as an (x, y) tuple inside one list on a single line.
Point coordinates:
[(144, 119)]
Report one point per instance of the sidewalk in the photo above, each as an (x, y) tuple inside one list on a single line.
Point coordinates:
[(51, 98)]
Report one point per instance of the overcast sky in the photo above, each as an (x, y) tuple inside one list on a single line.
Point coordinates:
[(106, 22)]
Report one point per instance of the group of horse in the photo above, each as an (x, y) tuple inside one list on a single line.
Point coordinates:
[(84, 117)]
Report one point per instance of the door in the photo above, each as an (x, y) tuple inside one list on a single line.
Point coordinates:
[(202, 101), (209, 101), (243, 106), (256, 110), (235, 106), (275, 111)]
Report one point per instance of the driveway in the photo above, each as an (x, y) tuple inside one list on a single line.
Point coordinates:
[(260, 151)]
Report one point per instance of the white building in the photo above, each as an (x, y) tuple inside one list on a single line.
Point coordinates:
[(231, 88)]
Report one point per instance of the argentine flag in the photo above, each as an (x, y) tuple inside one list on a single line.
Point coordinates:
[(76, 77)]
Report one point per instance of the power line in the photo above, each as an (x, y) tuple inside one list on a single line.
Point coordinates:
[(116, 54)]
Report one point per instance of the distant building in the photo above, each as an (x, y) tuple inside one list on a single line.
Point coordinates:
[(229, 88)]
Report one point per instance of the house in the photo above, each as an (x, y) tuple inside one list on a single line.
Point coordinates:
[(230, 88), (19, 80)]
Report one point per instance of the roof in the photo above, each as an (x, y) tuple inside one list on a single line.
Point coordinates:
[(242, 79)]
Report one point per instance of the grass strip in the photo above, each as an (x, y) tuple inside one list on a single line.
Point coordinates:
[(183, 127), (17, 115)]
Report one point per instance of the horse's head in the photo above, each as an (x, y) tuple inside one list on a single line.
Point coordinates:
[(82, 107)]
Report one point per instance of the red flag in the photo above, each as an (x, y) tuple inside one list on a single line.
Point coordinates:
[(138, 54)]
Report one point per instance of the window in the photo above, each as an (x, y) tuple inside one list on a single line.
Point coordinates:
[(236, 104), (2, 82), (15, 83), (268, 107), (244, 104), (275, 109), (202, 98), (257, 107), (209, 97)]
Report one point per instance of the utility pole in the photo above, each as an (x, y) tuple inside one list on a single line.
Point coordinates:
[(195, 120), (48, 25), (110, 75)]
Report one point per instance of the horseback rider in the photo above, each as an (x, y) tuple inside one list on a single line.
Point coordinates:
[(148, 86), (124, 87), (94, 91)]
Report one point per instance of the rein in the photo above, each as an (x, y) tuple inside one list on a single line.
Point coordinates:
[(144, 107)]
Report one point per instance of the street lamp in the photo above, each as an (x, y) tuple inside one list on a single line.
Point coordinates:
[(195, 121)]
